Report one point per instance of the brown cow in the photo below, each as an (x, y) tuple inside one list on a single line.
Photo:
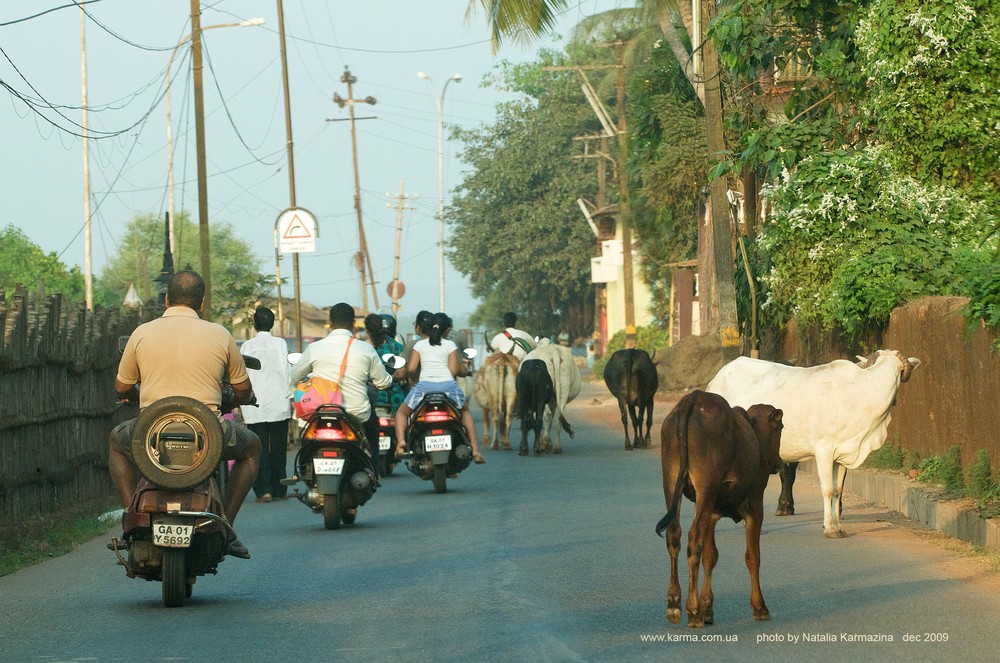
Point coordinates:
[(496, 392), (720, 457)]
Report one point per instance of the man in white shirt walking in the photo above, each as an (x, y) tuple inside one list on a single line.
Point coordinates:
[(270, 419)]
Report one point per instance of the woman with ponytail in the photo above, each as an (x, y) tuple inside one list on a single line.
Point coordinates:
[(435, 359)]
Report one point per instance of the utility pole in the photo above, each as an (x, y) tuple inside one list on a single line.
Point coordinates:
[(199, 125), (366, 260), (88, 270), (396, 287), (291, 195), (624, 209)]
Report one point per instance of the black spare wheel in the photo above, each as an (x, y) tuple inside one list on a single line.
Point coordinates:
[(177, 442)]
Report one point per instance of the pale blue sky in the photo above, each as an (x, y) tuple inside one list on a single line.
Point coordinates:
[(384, 42)]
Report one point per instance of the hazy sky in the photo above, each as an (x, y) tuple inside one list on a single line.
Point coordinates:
[(383, 42)]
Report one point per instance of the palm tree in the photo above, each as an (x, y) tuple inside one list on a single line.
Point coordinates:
[(523, 20)]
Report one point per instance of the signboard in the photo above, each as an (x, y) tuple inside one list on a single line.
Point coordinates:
[(296, 231), (396, 289), (601, 272), (611, 252)]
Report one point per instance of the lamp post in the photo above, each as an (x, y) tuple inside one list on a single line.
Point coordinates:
[(170, 145), (440, 111)]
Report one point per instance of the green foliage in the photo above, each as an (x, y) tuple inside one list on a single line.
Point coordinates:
[(851, 239), (984, 296), (648, 338), (981, 486), (23, 262), (516, 232), (945, 470), (236, 280), (887, 457), (933, 66)]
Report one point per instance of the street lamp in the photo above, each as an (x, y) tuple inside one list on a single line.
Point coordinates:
[(440, 110), (170, 146)]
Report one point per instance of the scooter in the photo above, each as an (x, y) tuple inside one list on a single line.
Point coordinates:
[(335, 465), (175, 528), (435, 438)]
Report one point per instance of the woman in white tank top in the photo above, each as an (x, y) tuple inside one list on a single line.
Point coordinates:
[(435, 360)]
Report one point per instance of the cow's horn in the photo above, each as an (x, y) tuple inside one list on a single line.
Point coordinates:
[(862, 361), (908, 365)]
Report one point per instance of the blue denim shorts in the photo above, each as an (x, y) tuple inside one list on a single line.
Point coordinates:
[(450, 388)]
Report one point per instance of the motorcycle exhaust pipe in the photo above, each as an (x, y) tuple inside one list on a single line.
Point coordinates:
[(360, 480), (463, 452)]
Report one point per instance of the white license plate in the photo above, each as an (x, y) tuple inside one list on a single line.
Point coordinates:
[(328, 465), (437, 443), (383, 442), (170, 535)]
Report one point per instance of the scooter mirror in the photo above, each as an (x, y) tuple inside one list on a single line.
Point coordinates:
[(395, 361), (252, 362), (470, 353), (293, 357)]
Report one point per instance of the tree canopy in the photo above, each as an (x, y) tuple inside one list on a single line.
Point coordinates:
[(518, 233), (237, 282), (23, 262)]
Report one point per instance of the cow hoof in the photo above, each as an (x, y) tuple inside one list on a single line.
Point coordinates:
[(523, 451), (785, 511), (557, 450), (674, 615), (505, 447), (494, 446), (628, 447), (696, 621), (762, 615), (834, 533)]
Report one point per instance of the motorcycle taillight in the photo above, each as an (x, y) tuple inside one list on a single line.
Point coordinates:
[(383, 421), (435, 416), (328, 433)]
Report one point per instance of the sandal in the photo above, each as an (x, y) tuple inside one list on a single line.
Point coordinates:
[(478, 459)]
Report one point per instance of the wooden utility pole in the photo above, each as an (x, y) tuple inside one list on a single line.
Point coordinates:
[(291, 196), (396, 287), (366, 261), (199, 126)]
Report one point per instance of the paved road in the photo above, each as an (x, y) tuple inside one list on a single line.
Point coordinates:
[(525, 559)]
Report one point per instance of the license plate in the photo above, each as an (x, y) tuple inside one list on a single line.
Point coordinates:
[(437, 443), (170, 535), (328, 465), (383, 442)]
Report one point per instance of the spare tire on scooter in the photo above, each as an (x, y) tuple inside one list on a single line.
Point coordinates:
[(177, 442)]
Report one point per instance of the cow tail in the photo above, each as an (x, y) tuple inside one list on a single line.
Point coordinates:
[(565, 425), (502, 405), (682, 438)]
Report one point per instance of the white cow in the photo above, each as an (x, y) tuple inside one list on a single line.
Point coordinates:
[(836, 413), (566, 382)]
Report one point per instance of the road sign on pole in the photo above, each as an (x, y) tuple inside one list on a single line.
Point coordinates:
[(297, 231)]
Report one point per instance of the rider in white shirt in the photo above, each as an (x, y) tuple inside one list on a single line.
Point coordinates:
[(511, 338)]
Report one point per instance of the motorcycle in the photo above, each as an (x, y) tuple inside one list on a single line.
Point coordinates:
[(336, 466), (175, 528), (386, 440), (435, 438)]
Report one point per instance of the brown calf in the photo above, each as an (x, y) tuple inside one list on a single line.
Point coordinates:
[(720, 457)]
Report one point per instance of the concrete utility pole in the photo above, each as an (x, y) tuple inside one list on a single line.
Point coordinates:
[(88, 270), (199, 126), (366, 260), (396, 289)]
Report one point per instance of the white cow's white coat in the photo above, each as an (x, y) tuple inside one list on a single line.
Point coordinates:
[(566, 380), (836, 413)]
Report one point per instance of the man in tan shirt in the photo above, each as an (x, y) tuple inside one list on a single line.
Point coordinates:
[(179, 354)]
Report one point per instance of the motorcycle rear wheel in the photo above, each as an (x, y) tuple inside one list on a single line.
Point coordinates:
[(440, 478), (175, 582), (331, 511)]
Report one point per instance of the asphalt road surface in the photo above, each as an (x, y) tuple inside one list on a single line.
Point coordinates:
[(548, 558)]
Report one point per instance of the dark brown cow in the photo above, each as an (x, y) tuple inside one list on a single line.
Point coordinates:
[(720, 457)]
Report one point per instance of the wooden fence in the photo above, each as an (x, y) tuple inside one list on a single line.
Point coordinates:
[(57, 404)]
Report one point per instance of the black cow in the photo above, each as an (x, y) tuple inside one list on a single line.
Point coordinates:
[(631, 377), (534, 392), (720, 457)]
